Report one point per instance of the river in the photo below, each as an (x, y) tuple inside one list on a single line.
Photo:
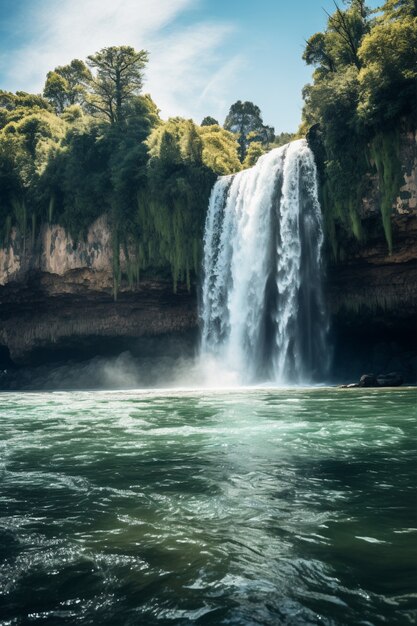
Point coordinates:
[(241, 507)]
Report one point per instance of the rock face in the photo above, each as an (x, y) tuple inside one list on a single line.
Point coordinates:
[(54, 252), (373, 294), (393, 379), (56, 298)]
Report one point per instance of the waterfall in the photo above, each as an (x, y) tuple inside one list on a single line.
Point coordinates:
[(262, 311)]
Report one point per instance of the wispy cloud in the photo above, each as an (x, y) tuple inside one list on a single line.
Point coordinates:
[(188, 74)]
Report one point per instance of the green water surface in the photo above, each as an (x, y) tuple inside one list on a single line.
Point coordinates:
[(230, 507)]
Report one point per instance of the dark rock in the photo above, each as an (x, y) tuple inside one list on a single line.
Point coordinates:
[(368, 380), (48, 317), (393, 379)]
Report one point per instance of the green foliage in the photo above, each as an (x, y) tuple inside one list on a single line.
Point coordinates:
[(67, 85), (209, 121), (106, 93), (79, 178), (118, 77), (27, 143), (179, 185), (397, 9), (388, 78), (364, 88), (245, 120), (21, 99), (61, 161), (282, 139), (253, 153), (93, 145), (384, 150), (14, 107), (220, 150)]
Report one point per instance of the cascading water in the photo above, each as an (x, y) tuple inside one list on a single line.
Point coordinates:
[(262, 305)]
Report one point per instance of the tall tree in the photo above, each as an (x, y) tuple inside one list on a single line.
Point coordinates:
[(209, 121), (349, 27), (318, 53), (66, 85), (118, 78), (339, 45), (245, 118), (394, 9)]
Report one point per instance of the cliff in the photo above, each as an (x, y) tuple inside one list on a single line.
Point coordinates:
[(56, 299), (372, 294)]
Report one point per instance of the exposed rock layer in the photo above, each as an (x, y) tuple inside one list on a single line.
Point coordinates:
[(57, 297), (48, 313), (373, 294)]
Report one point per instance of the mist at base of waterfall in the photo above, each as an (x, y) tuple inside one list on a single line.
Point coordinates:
[(125, 371)]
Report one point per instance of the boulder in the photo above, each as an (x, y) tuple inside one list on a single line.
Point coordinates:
[(393, 379), (368, 380)]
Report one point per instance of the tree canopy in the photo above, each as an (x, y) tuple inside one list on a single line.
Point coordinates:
[(245, 120), (364, 90), (209, 121), (118, 76), (94, 144), (67, 85)]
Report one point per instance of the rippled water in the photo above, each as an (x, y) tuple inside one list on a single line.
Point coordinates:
[(239, 508)]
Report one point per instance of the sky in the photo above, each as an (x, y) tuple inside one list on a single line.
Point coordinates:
[(204, 54)]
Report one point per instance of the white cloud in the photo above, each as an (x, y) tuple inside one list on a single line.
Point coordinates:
[(187, 74)]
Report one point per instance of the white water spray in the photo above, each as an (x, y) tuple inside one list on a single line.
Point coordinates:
[(262, 305)]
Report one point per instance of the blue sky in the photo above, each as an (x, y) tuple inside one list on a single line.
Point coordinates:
[(204, 54)]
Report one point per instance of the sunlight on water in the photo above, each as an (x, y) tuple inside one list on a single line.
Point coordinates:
[(255, 506)]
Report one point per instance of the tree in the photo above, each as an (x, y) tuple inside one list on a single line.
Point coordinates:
[(388, 79), (245, 118), (394, 9), (220, 150), (349, 26), (118, 78), (255, 151), (14, 107), (26, 146), (318, 53), (364, 90), (338, 46), (209, 121), (22, 100), (264, 136), (66, 85)]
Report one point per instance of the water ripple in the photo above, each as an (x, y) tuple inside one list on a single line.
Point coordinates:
[(252, 507)]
